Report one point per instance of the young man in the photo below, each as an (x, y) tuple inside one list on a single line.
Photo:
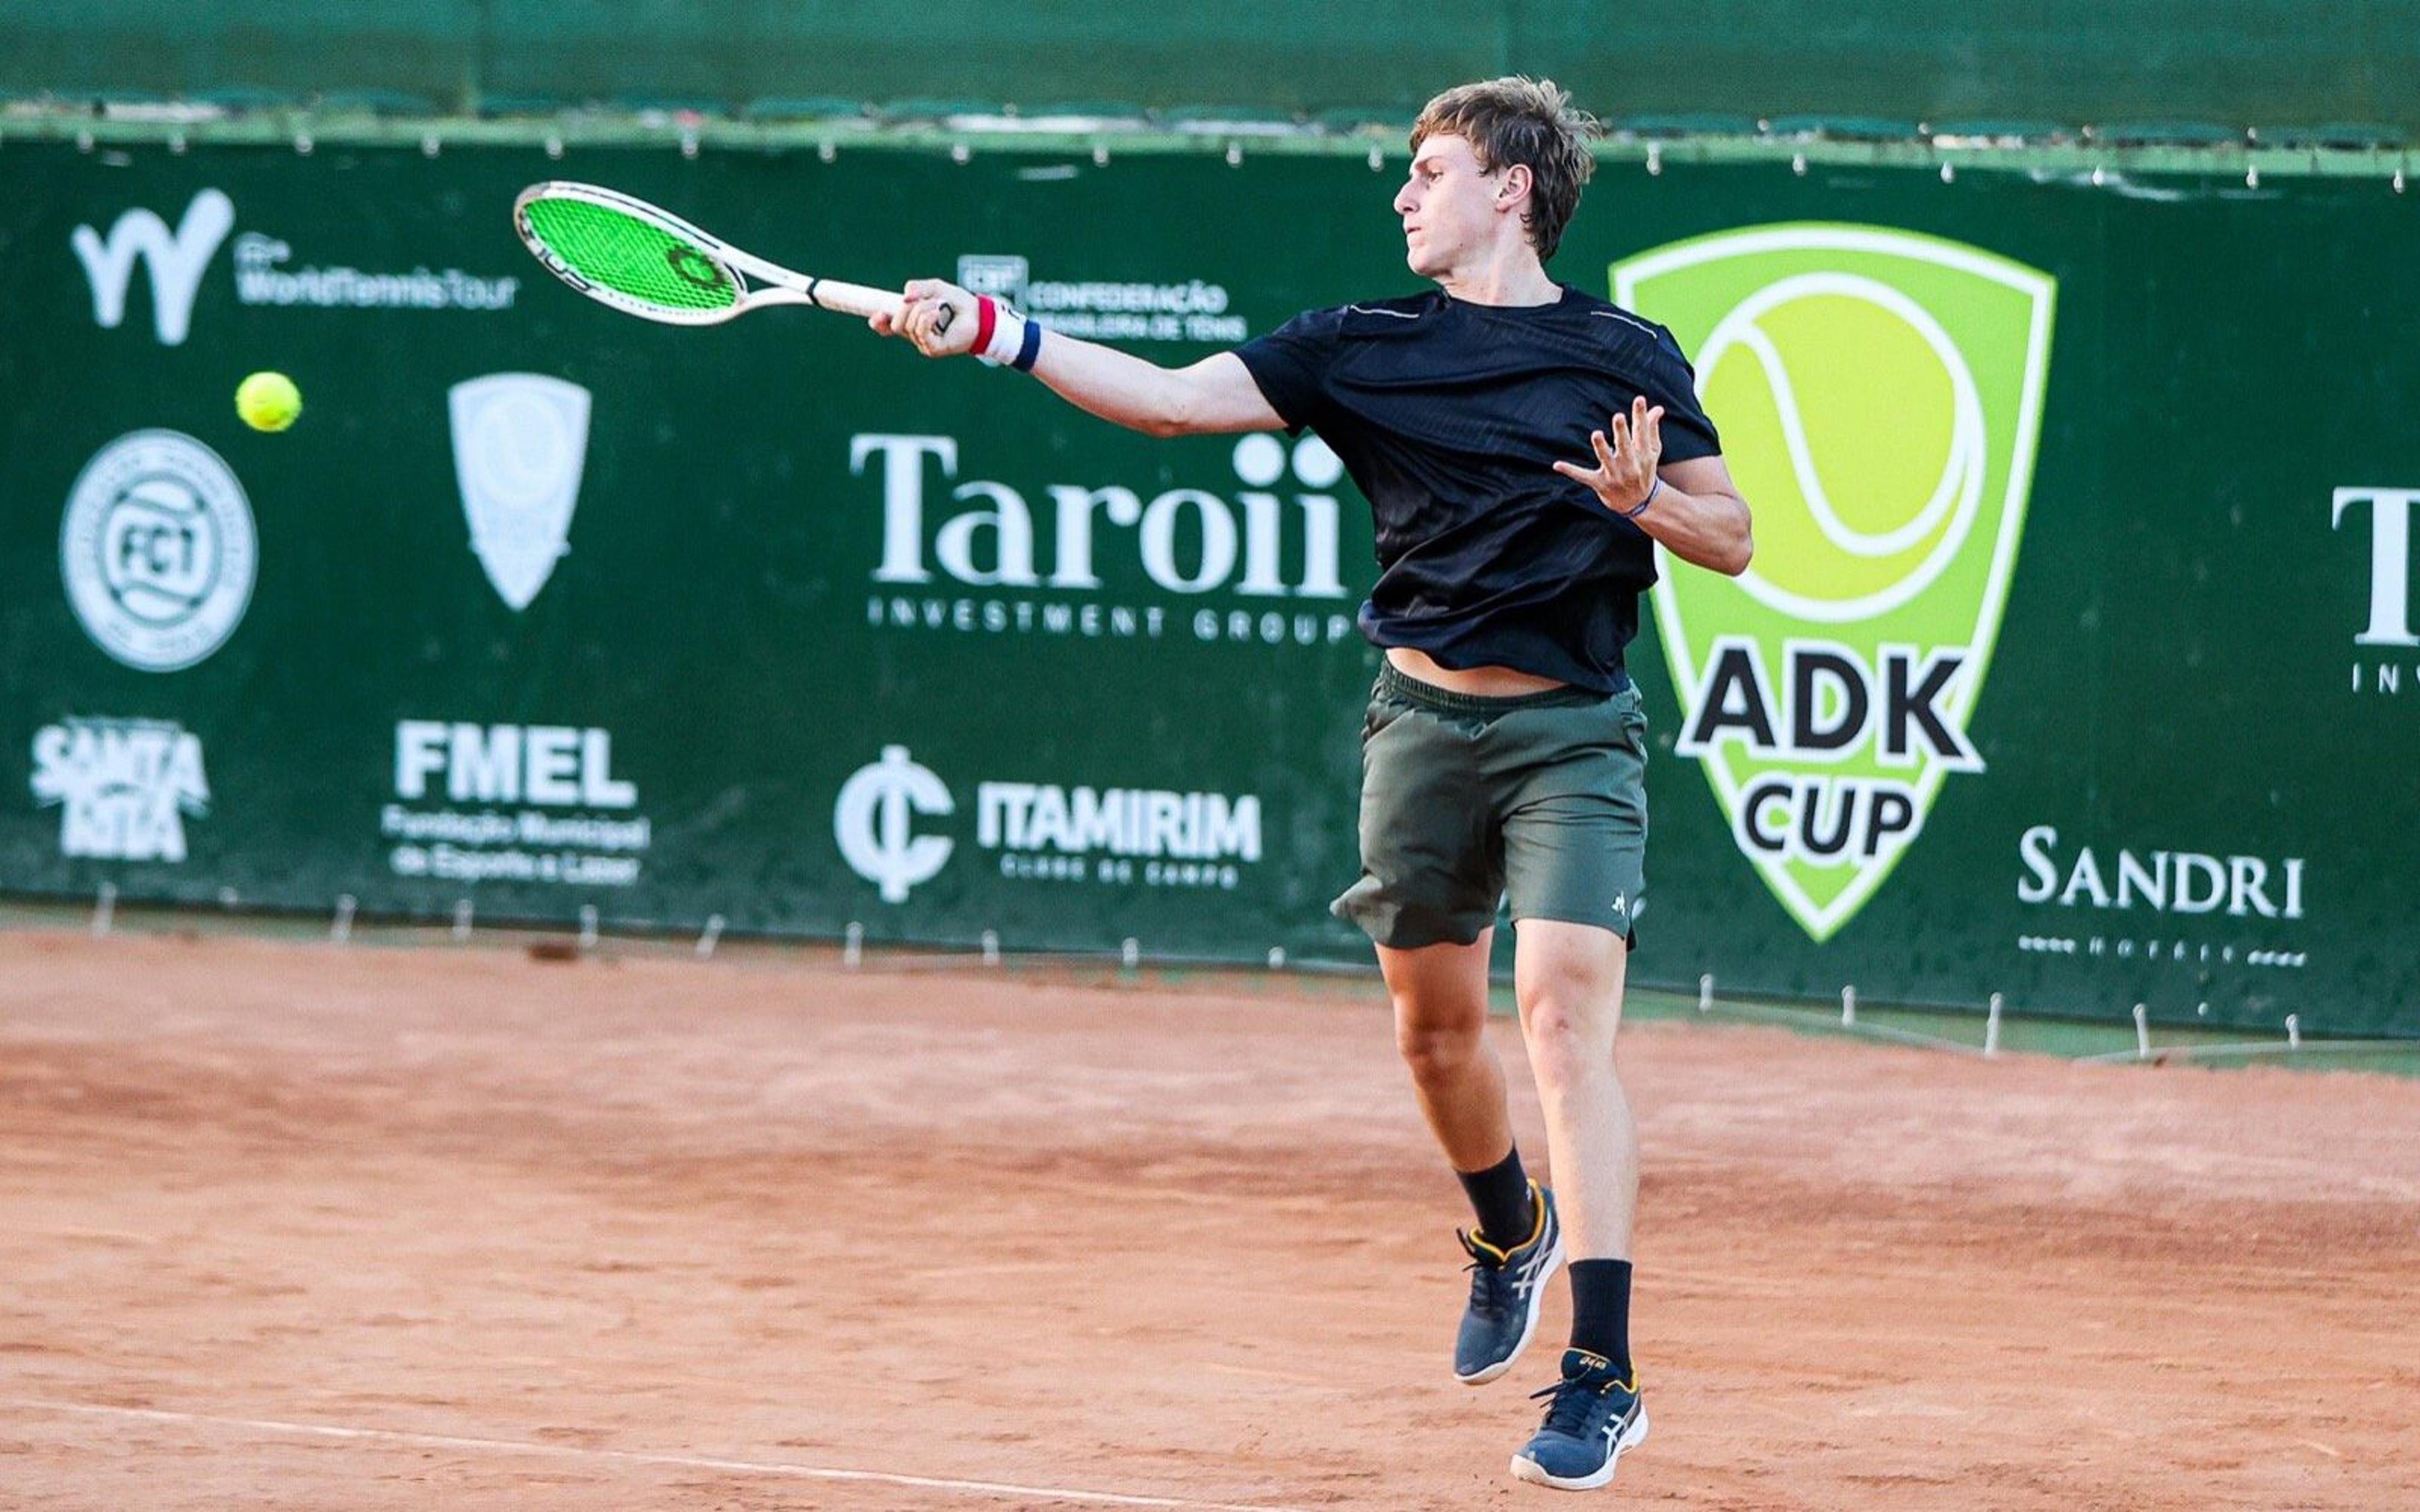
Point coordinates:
[(1502, 749)]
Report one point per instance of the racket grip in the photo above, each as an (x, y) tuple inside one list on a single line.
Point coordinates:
[(847, 298), (855, 299)]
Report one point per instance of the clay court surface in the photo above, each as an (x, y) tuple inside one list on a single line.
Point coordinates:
[(295, 1226)]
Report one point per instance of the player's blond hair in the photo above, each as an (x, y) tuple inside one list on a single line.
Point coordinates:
[(1529, 121)]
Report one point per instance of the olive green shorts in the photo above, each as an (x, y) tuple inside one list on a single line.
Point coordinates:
[(1539, 800)]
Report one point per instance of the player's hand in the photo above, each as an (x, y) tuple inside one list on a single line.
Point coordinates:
[(939, 318), (1625, 474)]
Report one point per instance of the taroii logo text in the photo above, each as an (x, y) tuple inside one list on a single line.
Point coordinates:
[(124, 787), (2388, 622), (1042, 832), (520, 443), (178, 259), (1879, 396), (157, 550), (1046, 552)]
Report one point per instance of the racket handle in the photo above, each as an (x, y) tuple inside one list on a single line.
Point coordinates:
[(849, 298), (857, 300)]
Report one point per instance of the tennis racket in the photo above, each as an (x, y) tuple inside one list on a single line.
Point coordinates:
[(650, 263)]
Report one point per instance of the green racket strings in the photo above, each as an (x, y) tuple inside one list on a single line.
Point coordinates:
[(631, 257)]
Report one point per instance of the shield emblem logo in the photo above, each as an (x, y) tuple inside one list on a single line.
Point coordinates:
[(521, 441), (1880, 396)]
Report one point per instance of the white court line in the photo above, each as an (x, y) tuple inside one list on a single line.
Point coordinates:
[(635, 1457)]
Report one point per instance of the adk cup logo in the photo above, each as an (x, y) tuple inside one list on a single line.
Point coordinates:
[(1879, 394), (157, 550)]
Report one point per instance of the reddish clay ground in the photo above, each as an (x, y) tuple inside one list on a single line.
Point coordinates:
[(295, 1226)]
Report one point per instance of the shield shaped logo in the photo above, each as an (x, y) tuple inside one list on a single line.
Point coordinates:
[(1879, 394), (521, 441)]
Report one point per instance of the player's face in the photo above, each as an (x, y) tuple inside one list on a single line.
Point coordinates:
[(1448, 204)]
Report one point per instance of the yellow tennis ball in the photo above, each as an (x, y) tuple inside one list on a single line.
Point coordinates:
[(268, 401)]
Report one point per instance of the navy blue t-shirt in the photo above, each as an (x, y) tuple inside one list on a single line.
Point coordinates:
[(1450, 417)]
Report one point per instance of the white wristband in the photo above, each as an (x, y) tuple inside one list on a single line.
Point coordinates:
[(1007, 335)]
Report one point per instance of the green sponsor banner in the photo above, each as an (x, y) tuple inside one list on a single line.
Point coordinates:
[(2077, 662), (548, 607), (2046, 680)]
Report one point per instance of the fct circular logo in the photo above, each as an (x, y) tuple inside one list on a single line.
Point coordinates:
[(157, 550)]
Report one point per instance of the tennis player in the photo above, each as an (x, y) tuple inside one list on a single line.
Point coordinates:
[(1524, 446)]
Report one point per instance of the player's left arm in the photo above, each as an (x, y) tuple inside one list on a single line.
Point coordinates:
[(1692, 508)]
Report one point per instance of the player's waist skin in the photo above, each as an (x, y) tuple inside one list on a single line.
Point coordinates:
[(1475, 682)]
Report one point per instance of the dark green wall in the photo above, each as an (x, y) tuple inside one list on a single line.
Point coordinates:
[(2257, 62), (2177, 666)]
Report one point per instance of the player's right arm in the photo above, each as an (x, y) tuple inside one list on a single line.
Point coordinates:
[(1217, 394)]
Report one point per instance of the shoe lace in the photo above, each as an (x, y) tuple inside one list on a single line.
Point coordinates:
[(1482, 1283), (1487, 1278), (1573, 1403)]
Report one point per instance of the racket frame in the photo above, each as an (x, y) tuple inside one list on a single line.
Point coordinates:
[(777, 285)]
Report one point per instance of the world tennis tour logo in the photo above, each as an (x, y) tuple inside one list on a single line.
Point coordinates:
[(175, 258), (1879, 396), (520, 443), (178, 259)]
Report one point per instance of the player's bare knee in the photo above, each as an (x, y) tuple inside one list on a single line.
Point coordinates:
[(1439, 1036), (1573, 987), (1438, 1049), (1570, 1036)]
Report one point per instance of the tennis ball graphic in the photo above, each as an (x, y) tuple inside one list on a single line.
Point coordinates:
[(268, 401), (1850, 419)]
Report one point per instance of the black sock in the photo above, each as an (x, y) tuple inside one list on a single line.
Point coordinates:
[(1500, 1195), (1601, 1310)]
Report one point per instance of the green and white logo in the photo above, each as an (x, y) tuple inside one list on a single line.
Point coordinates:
[(1880, 396)]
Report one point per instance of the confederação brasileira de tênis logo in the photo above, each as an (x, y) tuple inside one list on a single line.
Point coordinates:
[(1879, 396)]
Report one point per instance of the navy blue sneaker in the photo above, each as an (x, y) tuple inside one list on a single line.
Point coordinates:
[(1592, 1416), (1505, 1288)]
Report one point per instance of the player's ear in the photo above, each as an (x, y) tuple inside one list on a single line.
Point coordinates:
[(1514, 184)]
